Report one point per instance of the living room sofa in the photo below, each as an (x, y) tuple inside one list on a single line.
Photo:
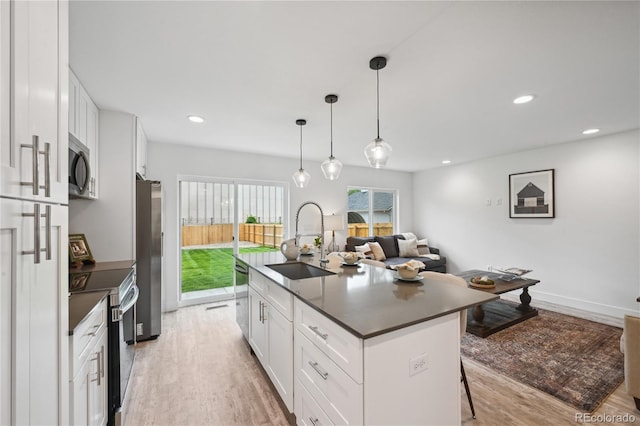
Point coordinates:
[(389, 245)]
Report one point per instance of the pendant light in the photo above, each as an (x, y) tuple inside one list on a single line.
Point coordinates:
[(378, 151), (301, 177), (331, 167)]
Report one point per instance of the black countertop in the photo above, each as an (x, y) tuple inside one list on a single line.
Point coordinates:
[(80, 304), (367, 300)]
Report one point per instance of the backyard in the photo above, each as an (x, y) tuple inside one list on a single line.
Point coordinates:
[(207, 268)]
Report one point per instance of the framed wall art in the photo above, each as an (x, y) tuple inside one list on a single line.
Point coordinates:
[(531, 194)]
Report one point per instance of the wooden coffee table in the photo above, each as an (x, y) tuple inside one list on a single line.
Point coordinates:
[(494, 316)]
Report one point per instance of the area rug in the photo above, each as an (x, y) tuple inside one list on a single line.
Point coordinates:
[(575, 360)]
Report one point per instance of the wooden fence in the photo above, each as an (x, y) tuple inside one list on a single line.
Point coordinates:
[(267, 234), (362, 229)]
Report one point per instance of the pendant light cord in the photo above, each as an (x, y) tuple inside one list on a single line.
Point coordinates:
[(301, 147), (331, 109), (378, 100)]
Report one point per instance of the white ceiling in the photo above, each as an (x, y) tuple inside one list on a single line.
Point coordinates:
[(252, 68)]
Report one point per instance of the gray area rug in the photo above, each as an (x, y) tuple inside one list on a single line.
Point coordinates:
[(574, 360)]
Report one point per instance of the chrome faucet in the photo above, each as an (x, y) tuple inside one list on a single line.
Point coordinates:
[(322, 258)]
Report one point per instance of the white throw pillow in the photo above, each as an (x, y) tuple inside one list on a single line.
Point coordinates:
[(378, 253), (408, 248), (365, 250), (423, 247)]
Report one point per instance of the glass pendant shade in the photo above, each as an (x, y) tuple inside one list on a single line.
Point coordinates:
[(301, 178), (331, 167), (377, 153)]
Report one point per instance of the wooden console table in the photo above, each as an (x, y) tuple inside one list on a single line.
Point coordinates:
[(494, 316)]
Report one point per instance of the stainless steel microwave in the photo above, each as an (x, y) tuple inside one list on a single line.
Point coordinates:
[(79, 170)]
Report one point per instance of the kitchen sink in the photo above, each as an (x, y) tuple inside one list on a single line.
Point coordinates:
[(299, 270)]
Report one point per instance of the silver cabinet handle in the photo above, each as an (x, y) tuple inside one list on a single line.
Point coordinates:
[(102, 362), (97, 359), (35, 147), (264, 318), (313, 421), (315, 330), (36, 233), (47, 221), (260, 310), (47, 169), (322, 373)]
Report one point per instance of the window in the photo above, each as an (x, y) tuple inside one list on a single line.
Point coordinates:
[(371, 211)]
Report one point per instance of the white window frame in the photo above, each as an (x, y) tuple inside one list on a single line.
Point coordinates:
[(371, 190)]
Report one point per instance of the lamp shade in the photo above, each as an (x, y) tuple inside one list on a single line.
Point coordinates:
[(331, 168), (301, 178), (333, 222)]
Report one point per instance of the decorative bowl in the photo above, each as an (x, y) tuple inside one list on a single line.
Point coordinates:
[(407, 272), (350, 258)]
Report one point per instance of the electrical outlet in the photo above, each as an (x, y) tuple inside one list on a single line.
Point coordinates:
[(488, 202), (139, 329), (418, 364), (499, 202), (489, 268)]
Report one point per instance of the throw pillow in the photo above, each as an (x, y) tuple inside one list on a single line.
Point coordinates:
[(389, 245), (423, 246), (408, 248), (378, 253), (365, 250)]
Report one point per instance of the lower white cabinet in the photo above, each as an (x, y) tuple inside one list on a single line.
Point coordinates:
[(271, 332), (88, 389), (342, 379)]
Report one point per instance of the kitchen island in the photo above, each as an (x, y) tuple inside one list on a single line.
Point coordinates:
[(357, 346)]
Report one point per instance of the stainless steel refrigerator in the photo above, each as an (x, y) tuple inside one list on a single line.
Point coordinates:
[(148, 315)]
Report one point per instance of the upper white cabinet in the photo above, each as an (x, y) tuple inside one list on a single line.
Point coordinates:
[(141, 150), (84, 126), (34, 144)]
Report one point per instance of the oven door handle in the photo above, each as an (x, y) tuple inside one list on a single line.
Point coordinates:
[(118, 313)]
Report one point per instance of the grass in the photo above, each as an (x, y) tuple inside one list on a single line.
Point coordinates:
[(204, 269)]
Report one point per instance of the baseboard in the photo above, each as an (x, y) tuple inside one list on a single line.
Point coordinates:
[(538, 301)]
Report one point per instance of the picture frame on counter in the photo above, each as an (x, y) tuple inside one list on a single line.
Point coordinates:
[(79, 251)]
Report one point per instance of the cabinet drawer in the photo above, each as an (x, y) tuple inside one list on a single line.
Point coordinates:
[(308, 412), (280, 299), (338, 344), (86, 334), (259, 282), (334, 391)]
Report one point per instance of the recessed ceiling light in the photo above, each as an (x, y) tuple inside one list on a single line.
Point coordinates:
[(446, 161), (523, 99), (590, 131), (195, 119)]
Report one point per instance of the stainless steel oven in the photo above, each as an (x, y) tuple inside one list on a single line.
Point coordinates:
[(123, 295)]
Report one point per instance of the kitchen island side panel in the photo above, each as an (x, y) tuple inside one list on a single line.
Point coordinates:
[(412, 375)]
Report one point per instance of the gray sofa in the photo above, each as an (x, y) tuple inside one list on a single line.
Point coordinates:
[(389, 245)]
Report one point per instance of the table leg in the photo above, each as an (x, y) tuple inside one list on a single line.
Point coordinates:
[(525, 301), (478, 313)]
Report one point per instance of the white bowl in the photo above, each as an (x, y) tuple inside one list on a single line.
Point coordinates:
[(407, 273)]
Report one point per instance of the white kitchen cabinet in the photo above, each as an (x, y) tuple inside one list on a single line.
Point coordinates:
[(271, 332), (341, 379), (33, 218), (84, 125), (37, 312), (257, 328), (141, 150), (88, 350), (34, 145)]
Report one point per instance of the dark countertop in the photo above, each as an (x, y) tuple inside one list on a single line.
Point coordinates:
[(366, 300), (80, 304), (104, 266)]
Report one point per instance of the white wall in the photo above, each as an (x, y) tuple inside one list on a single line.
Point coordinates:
[(165, 162), (587, 257)]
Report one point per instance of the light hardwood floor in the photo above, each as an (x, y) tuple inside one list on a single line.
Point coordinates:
[(200, 372)]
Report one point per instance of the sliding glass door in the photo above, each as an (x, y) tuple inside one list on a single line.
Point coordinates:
[(220, 218)]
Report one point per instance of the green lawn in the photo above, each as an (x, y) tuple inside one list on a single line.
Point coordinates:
[(204, 269)]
